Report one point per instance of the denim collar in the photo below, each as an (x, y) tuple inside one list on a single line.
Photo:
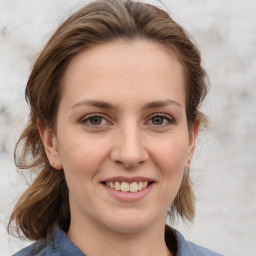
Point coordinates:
[(58, 244), (61, 245)]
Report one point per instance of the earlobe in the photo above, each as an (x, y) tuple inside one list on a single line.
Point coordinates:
[(50, 145), (192, 142)]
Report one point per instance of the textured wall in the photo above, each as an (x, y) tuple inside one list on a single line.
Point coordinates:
[(223, 169)]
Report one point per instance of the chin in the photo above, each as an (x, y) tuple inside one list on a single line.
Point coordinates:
[(130, 223), (128, 228)]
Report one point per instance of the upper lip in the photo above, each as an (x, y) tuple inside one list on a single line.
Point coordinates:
[(128, 179)]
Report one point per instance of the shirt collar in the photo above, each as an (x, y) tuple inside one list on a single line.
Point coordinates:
[(64, 247)]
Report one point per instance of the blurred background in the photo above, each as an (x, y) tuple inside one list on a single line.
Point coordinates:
[(224, 167)]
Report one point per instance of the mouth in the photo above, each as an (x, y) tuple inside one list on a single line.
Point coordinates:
[(125, 186)]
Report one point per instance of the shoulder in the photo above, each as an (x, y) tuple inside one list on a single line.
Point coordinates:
[(35, 249), (56, 244), (201, 251), (185, 248), (44, 247)]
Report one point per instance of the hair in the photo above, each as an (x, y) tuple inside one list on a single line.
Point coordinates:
[(45, 203)]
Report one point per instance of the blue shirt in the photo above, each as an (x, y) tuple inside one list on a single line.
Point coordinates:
[(59, 245)]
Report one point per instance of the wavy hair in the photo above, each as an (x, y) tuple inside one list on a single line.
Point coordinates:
[(45, 203)]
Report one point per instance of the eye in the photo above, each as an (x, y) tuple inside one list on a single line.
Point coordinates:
[(94, 120), (161, 120)]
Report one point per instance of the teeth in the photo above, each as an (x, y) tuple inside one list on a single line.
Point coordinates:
[(117, 185), (134, 187), (126, 187), (112, 185), (140, 185)]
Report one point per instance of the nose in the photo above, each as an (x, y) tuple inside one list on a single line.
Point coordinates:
[(128, 147)]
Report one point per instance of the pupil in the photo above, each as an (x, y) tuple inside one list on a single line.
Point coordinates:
[(96, 120), (158, 120)]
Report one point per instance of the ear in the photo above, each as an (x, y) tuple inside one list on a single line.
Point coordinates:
[(192, 142), (50, 145)]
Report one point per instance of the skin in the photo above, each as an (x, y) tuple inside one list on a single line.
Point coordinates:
[(126, 140)]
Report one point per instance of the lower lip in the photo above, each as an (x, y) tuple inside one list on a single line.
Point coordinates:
[(129, 196)]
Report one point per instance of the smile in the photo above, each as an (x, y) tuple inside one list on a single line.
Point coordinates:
[(128, 187)]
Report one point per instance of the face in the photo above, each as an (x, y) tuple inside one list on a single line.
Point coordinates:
[(122, 136)]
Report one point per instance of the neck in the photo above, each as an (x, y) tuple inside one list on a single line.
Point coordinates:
[(94, 240)]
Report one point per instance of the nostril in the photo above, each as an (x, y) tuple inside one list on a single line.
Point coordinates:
[(130, 154)]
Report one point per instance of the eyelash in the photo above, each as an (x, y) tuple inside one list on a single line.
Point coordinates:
[(169, 119), (91, 116)]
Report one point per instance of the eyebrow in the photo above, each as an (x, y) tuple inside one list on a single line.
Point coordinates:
[(95, 103), (160, 103), (105, 105)]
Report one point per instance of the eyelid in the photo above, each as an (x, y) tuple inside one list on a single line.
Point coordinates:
[(169, 118), (87, 117)]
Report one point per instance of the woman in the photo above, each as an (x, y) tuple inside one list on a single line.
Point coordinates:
[(114, 99)]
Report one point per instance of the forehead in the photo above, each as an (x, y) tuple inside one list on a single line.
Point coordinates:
[(125, 69)]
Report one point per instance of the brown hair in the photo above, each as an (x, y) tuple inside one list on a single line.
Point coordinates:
[(45, 203)]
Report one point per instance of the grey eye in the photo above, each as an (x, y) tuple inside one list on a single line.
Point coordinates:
[(94, 120), (157, 120), (97, 120), (161, 120)]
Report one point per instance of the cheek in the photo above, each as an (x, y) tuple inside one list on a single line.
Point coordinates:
[(170, 159), (81, 158), (81, 163), (171, 154)]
